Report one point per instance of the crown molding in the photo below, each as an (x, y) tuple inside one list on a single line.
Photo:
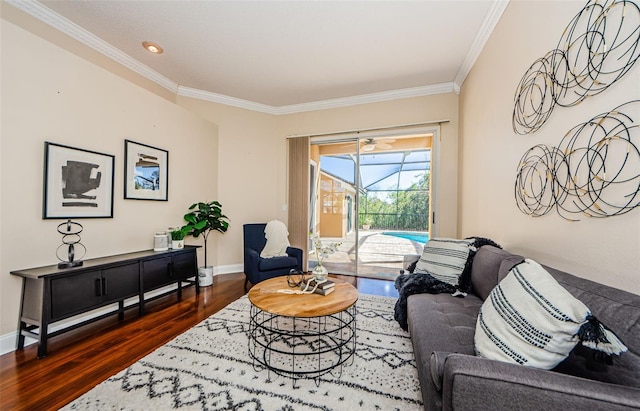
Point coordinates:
[(318, 105), (226, 100), (441, 88), (62, 24), (66, 26), (493, 16)]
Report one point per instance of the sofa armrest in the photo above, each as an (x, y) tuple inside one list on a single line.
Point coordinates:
[(408, 260), (436, 366), (473, 383)]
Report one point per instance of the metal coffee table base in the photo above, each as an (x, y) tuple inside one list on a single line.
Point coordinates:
[(299, 348)]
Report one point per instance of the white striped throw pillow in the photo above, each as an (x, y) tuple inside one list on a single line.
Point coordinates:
[(444, 259), (530, 319)]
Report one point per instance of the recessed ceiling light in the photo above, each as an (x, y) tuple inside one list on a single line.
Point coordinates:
[(152, 47)]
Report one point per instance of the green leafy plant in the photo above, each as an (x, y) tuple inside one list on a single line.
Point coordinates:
[(203, 219), (177, 235)]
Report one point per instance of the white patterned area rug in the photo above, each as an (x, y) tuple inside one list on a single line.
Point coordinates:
[(209, 368)]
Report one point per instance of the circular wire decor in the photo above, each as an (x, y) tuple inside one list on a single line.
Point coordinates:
[(596, 49), (594, 172)]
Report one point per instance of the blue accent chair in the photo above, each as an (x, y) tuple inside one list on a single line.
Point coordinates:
[(259, 269)]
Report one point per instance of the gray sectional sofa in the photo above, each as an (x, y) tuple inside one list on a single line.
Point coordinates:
[(452, 377)]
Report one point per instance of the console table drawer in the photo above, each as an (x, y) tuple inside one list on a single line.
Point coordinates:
[(75, 294), (121, 282), (184, 266), (156, 273)]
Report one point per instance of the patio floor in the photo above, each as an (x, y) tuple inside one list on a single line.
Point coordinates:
[(379, 256)]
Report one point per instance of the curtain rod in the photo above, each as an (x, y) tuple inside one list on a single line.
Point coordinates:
[(368, 130)]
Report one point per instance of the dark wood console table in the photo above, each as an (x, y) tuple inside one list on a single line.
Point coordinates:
[(51, 294)]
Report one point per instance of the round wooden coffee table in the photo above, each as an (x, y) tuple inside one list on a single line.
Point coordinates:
[(301, 336)]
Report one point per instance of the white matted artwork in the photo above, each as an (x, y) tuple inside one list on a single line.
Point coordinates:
[(146, 172), (77, 183)]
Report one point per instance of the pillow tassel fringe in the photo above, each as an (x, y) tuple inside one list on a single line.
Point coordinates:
[(596, 336)]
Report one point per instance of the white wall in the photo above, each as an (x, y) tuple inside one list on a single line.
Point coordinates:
[(252, 173), (606, 250), (253, 157), (50, 94)]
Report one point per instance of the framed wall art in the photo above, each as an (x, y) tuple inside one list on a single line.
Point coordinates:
[(77, 183), (146, 172)]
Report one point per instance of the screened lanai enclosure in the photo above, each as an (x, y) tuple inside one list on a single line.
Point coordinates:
[(373, 196)]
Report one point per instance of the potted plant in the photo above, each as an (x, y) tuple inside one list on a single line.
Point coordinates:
[(202, 220), (366, 222), (177, 239)]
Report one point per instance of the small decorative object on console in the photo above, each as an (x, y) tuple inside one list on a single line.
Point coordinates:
[(177, 238), (70, 237), (160, 241)]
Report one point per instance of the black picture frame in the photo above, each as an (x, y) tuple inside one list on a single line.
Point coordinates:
[(146, 172), (78, 183)]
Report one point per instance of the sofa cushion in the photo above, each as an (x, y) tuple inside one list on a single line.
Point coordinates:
[(439, 322), (443, 322), (620, 310), (486, 271), (532, 320), (444, 259), (276, 263)]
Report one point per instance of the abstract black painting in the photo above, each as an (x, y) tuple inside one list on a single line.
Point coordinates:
[(77, 183)]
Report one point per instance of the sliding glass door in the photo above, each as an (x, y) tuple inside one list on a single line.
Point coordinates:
[(373, 196)]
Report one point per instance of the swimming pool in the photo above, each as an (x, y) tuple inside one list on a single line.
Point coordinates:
[(413, 236)]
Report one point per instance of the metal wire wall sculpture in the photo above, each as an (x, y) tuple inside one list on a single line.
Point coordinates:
[(596, 49), (595, 171)]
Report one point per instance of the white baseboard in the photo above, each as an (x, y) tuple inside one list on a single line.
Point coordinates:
[(8, 341), (228, 269)]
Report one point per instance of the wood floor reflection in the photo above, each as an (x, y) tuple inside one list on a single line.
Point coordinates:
[(371, 286)]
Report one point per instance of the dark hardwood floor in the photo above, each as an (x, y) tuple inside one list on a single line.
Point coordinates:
[(80, 359)]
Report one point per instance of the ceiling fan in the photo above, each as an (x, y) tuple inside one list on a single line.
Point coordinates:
[(371, 144)]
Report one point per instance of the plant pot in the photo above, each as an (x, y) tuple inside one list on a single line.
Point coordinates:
[(205, 276), (366, 226), (177, 244)]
